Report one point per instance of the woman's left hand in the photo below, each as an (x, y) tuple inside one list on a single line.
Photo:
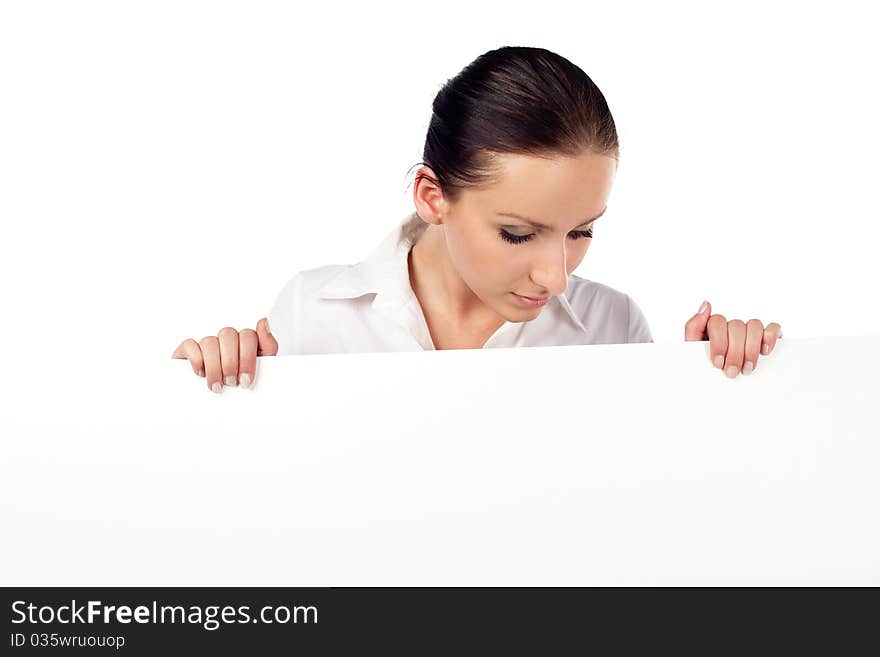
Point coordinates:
[(733, 346)]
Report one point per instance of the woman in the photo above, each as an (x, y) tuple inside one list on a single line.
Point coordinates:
[(519, 161)]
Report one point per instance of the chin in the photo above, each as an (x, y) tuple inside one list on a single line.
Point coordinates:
[(519, 312)]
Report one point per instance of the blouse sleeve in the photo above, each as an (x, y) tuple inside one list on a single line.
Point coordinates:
[(637, 325), (283, 315)]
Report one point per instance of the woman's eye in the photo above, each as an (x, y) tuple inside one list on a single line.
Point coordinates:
[(519, 239), (515, 239)]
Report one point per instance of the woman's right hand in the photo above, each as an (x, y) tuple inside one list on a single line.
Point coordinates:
[(229, 358)]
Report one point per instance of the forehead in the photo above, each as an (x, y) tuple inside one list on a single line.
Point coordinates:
[(549, 189)]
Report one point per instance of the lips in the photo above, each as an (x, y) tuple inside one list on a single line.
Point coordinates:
[(530, 302)]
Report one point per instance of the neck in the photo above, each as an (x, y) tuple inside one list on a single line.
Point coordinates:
[(441, 292)]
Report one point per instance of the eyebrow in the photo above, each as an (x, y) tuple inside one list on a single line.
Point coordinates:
[(538, 224)]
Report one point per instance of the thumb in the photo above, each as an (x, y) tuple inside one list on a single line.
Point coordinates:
[(695, 329), (267, 345)]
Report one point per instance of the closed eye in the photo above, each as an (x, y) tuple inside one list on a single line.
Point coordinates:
[(519, 239)]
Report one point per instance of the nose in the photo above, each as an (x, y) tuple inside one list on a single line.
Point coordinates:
[(550, 272)]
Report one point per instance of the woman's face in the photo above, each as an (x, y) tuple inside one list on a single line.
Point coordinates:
[(500, 256)]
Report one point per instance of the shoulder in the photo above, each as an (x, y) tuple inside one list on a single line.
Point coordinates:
[(308, 282), (306, 288), (607, 312), (583, 292), (585, 296), (298, 312)]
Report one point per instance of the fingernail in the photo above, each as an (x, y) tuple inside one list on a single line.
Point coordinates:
[(765, 349), (202, 373), (229, 380), (703, 308), (748, 367), (216, 387), (244, 380), (731, 371), (719, 361)]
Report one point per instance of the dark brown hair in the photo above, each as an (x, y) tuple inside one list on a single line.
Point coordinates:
[(516, 100)]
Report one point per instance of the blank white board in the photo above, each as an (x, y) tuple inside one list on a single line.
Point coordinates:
[(589, 465)]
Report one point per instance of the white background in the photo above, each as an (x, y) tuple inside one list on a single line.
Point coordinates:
[(165, 167)]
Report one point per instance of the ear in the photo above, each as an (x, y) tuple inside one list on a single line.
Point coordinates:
[(428, 197)]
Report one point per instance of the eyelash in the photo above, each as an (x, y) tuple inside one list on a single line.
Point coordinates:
[(519, 239)]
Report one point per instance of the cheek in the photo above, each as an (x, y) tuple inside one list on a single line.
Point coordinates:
[(472, 255), (494, 263), (576, 255)]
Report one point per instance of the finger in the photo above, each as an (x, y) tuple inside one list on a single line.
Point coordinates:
[(267, 346), (229, 355), (717, 330), (754, 335), (736, 347), (695, 329), (189, 349), (772, 333), (210, 347), (247, 357)]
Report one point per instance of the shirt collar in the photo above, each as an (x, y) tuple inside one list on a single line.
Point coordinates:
[(385, 272), (562, 299)]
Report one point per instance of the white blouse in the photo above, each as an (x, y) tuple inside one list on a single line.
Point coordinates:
[(370, 306)]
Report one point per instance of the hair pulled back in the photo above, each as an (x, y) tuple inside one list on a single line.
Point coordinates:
[(513, 100)]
